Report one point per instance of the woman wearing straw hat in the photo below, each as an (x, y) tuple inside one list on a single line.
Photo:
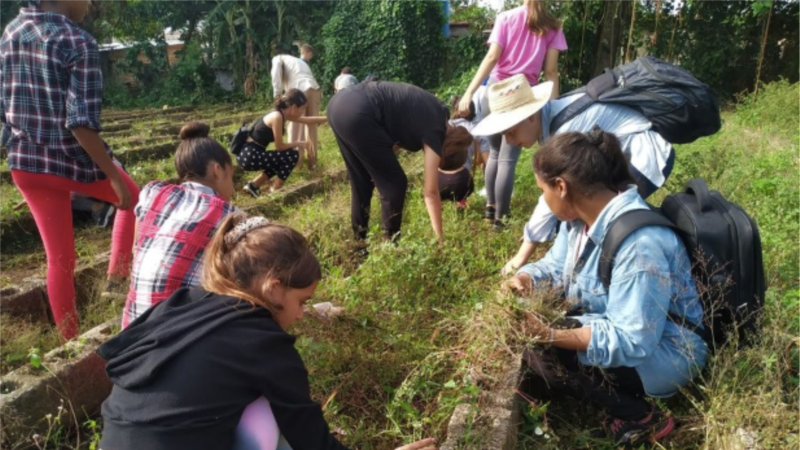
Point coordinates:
[(524, 114), (524, 40), (369, 120)]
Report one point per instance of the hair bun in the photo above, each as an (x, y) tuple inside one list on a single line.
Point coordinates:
[(193, 130)]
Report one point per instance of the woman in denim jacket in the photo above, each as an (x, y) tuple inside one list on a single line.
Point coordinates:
[(625, 348)]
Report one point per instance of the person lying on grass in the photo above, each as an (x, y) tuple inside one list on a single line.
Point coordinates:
[(215, 367), (275, 165), (175, 222), (627, 345)]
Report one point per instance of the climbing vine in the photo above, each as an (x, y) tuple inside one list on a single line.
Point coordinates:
[(399, 40)]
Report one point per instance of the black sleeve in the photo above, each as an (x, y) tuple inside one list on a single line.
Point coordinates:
[(435, 139), (283, 380)]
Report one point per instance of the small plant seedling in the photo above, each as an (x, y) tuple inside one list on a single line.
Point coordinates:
[(35, 358)]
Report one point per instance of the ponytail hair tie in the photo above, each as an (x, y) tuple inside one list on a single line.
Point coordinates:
[(242, 228), (596, 136)]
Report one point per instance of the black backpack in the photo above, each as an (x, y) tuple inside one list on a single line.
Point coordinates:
[(240, 137), (680, 107), (724, 247)]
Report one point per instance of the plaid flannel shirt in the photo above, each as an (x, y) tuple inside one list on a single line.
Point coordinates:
[(176, 224), (50, 83)]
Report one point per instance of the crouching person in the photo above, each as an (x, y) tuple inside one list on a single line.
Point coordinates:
[(626, 345), (214, 367)]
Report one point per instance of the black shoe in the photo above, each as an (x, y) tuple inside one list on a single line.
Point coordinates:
[(102, 217), (488, 213), (631, 433), (499, 225), (251, 189), (115, 291)]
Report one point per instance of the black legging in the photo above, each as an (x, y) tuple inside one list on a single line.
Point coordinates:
[(370, 161), (618, 391)]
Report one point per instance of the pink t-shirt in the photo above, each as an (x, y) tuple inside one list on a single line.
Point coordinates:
[(523, 51)]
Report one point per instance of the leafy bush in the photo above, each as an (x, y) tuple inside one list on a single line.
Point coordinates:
[(397, 39)]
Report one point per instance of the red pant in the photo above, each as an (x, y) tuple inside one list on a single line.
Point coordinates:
[(48, 197)]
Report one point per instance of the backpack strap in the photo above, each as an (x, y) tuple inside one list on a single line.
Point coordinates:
[(596, 87), (568, 113), (618, 231)]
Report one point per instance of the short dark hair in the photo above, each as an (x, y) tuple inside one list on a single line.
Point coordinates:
[(455, 148), (589, 161), (292, 97), (346, 71), (196, 150)]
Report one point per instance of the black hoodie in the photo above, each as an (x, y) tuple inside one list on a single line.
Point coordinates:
[(185, 370)]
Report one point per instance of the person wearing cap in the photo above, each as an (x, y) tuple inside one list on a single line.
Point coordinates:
[(524, 115), (369, 121), (524, 40)]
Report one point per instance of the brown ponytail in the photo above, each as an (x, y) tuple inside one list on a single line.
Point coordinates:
[(589, 161), (540, 21), (196, 150), (292, 97), (270, 251)]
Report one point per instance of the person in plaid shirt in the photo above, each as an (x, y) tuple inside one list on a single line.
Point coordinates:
[(50, 100), (177, 222)]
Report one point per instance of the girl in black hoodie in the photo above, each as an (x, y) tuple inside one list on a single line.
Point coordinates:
[(186, 370)]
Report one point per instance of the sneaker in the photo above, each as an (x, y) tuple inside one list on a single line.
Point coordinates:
[(499, 225), (655, 426), (251, 189), (488, 213), (103, 216)]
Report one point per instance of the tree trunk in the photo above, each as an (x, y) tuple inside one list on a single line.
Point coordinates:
[(583, 39), (763, 47), (630, 31), (608, 42)]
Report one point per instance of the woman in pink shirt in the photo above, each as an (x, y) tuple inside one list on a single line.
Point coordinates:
[(523, 41)]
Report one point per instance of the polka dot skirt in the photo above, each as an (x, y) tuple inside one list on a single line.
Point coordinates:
[(253, 158)]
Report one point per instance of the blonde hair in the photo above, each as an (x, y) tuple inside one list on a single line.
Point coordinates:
[(231, 266), (540, 21)]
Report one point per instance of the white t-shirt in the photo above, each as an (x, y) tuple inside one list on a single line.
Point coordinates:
[(289, 72), (344, 81)]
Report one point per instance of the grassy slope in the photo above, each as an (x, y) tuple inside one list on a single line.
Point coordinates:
[(424, 325)]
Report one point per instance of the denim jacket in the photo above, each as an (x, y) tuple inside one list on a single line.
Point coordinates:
[(651, 277)]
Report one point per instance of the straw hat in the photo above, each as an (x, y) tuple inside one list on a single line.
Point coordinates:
[(511, 101)]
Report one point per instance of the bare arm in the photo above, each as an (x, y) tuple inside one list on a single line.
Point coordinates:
[(488, 63), (575, 339), (431, 191), (275, 121), (93, 145), (311, 120), (551, 70)]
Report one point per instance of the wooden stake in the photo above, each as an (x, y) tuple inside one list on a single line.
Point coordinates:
[(763, 47), (630, 31)]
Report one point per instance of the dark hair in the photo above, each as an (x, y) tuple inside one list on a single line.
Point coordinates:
[(292, 97), (274, 251), (196, 150), (589, 161), (346, 70), (454, 113), (454, 149)]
